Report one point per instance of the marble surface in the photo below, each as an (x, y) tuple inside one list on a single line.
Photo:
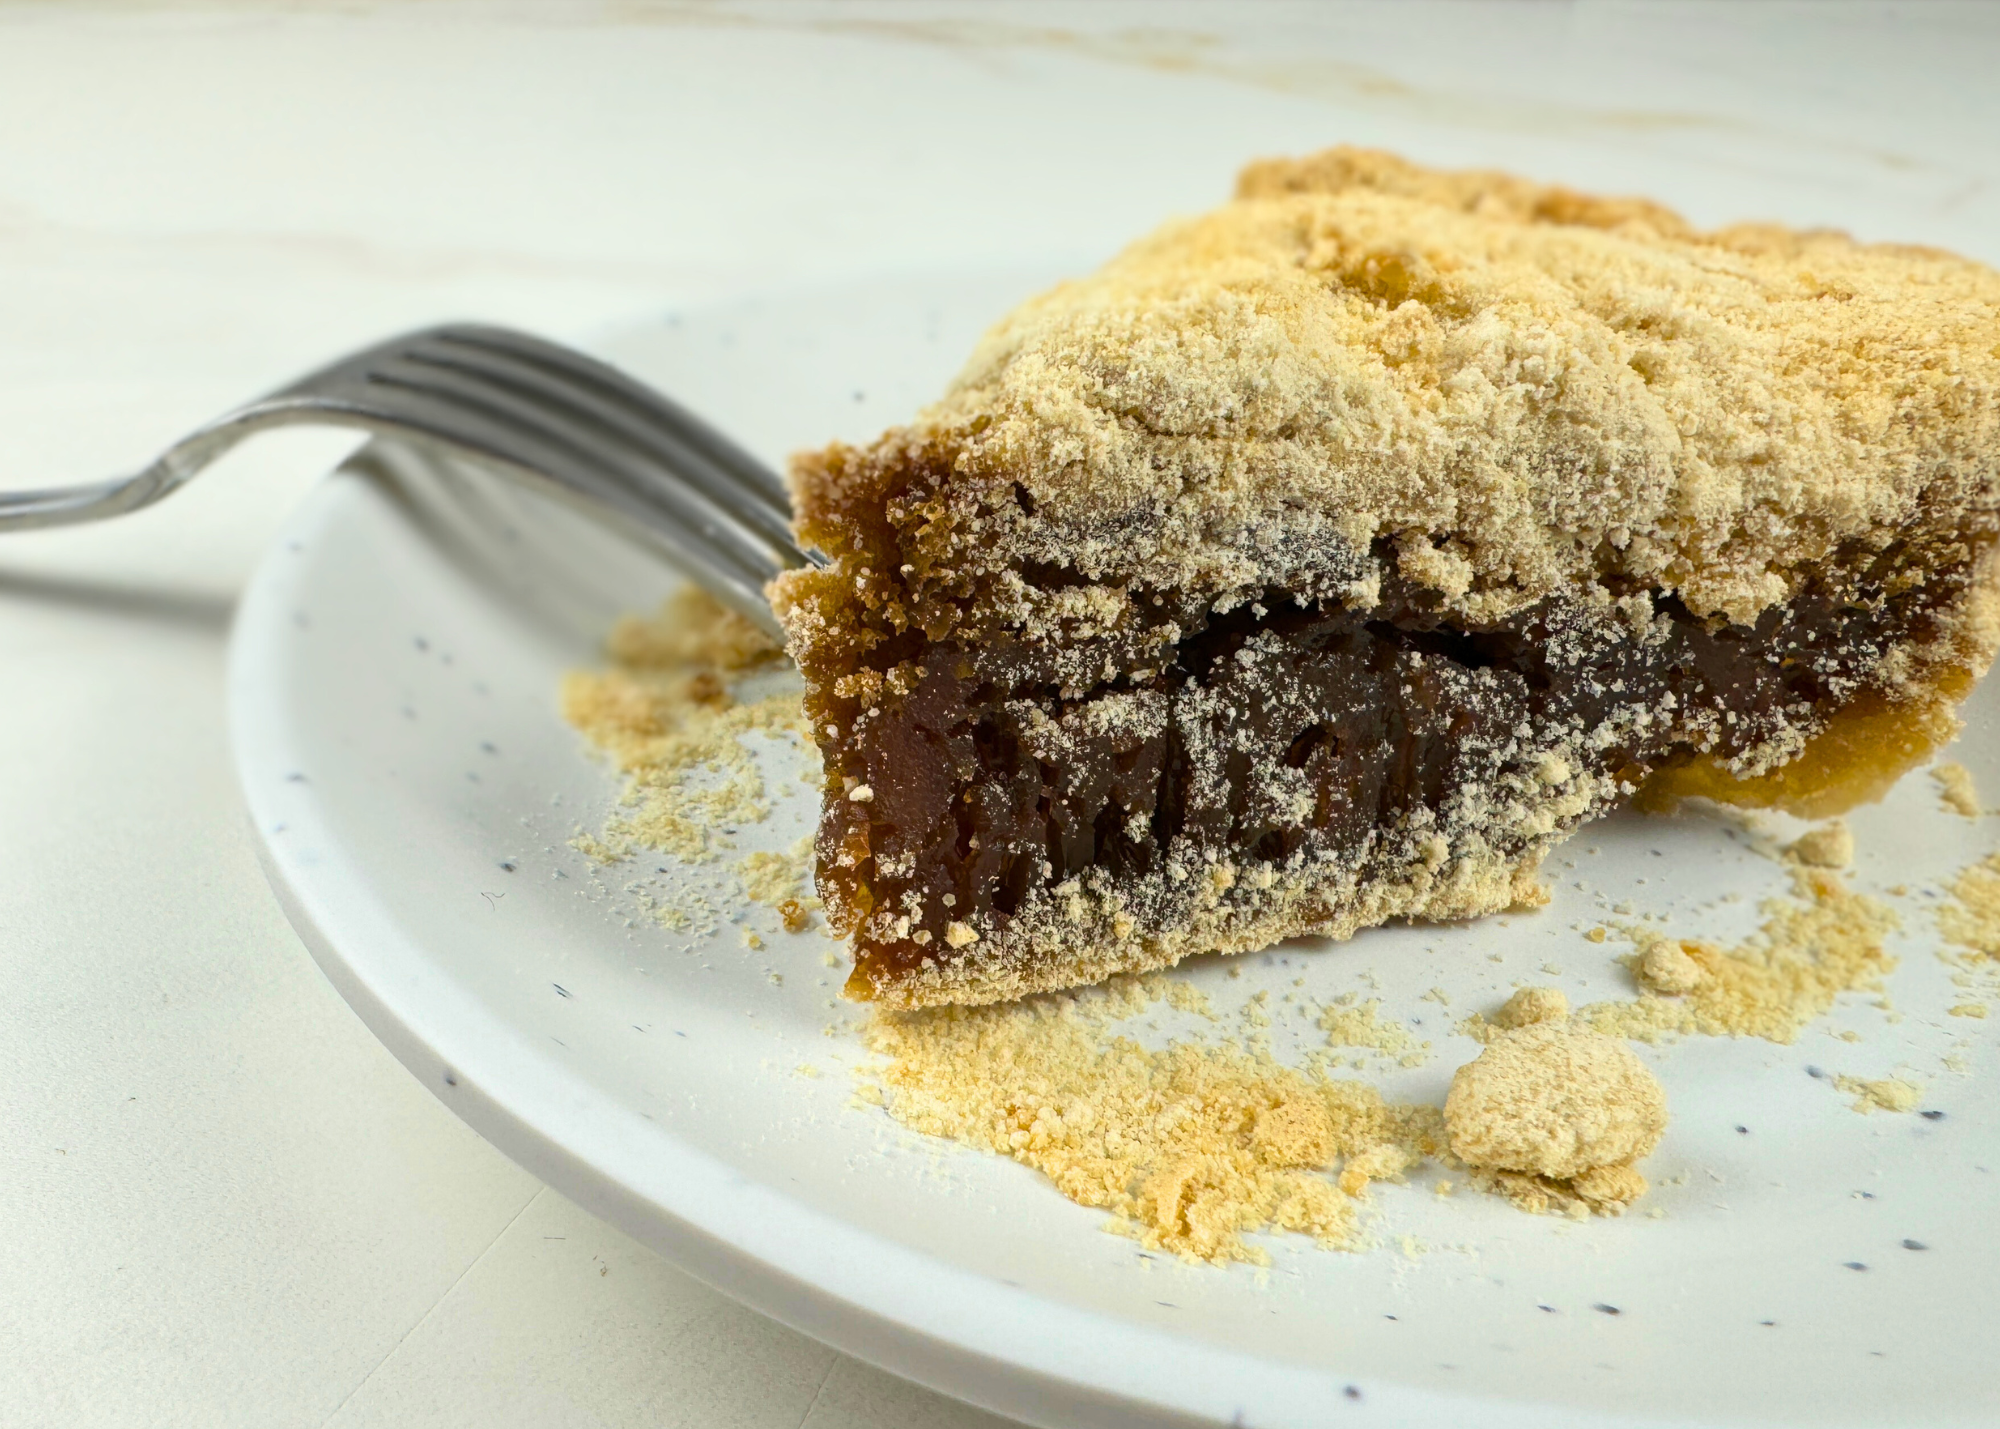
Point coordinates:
[(220, 1201)]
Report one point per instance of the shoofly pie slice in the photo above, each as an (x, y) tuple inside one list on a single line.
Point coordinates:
[(1327, 559)]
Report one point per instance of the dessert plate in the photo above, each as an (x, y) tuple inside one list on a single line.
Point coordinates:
[(394, 682)]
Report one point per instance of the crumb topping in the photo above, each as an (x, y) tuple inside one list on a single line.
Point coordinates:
[(1524, 390)]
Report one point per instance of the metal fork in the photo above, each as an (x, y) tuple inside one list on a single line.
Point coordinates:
[(530, 408)]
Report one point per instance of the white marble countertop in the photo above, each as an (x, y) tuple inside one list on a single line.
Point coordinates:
[(221, 1202)]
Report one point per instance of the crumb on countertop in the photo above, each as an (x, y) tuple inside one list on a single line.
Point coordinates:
[(1530, 1005), (1349, 1025), (1971, 917)]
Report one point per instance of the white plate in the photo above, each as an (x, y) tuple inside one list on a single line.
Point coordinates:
[(393, 692)]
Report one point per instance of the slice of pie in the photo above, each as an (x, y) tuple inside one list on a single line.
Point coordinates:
[(1328, 558)]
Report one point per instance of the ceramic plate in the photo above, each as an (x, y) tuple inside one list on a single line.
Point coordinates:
[(394, 698)]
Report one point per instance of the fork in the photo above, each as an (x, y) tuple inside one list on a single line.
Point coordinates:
[(529, 408)]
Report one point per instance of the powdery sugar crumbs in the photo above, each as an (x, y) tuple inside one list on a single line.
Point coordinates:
[(668, 713), (1969, 919), (1822, 941), (1189, 1148)]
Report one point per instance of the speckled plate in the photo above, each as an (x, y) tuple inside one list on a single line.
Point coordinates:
[(393, 693)]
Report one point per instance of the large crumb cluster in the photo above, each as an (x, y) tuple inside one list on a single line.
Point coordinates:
[(1554, 1117)]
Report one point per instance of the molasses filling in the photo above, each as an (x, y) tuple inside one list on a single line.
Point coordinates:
[(1328, 559)]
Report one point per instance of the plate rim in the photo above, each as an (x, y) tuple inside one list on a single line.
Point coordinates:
[(889, 1305), (961, 1332)]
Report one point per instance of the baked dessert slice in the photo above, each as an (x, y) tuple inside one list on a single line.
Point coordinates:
[(1326, 559)]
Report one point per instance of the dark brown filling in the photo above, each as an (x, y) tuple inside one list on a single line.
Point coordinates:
[(1276, 732)]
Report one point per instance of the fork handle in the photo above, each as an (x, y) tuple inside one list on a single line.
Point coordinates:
[(690, 550), (168, 472)]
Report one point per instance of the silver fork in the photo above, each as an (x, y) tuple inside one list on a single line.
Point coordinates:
[(529, 408)]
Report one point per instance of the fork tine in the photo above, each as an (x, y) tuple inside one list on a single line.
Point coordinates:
[(652, 429), (642, 401), (469, 413), (647, 435)]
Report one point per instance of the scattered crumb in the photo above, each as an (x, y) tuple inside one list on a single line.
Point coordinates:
[(1823, 941), (1347, 1025), (776, 879), (1887, 1094), (1596, 935), (1182, 996), (1972, 916), (667, 716), (1554, 1118), (806, 1069), (1956, 789), (1667, 966), (1530, 1005), (1188, 1148), (1831, 845), (1968, 1009)]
